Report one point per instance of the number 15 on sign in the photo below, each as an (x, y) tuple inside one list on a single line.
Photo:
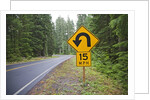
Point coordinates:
[(83, 59)]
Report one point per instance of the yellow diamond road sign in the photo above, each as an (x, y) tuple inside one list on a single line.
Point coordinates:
[(83, 40)]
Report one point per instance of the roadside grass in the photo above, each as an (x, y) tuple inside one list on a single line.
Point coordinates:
[(66, 79), (30, 60)]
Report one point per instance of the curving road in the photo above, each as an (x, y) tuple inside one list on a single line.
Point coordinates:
[(20, 78)]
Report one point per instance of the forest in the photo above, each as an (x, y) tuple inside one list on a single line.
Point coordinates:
[(36, 35)]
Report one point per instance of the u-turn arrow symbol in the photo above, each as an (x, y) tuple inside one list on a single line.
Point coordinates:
[(77, 41)]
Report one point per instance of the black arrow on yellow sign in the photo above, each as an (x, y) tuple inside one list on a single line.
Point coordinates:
[(77, 41)]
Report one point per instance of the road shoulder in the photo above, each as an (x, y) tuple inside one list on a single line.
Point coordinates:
[(66, 79)]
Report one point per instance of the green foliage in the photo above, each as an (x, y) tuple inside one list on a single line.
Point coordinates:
[(28, 35), (64, 30), (34, 35), (110, 56), (81, 20)]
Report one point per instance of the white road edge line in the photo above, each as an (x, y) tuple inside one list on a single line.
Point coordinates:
[(37, 78)]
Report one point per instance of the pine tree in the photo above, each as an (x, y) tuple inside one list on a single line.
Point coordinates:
[(81, 20)]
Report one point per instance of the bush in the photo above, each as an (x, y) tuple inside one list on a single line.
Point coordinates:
[(29, 57), (14, 58)]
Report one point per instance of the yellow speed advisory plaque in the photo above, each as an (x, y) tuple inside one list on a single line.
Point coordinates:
[(83, 59)]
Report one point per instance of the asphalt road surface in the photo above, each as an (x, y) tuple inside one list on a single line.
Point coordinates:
[(20, 78)]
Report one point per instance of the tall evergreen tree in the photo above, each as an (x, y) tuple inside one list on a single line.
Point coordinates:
[(28, 35), (81, 20), (70, 32)]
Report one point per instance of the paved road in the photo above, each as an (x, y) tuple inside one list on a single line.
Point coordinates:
[(20, 78)]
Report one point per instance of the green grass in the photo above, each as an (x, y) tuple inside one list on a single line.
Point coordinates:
[(30, 60), (66, 79)]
